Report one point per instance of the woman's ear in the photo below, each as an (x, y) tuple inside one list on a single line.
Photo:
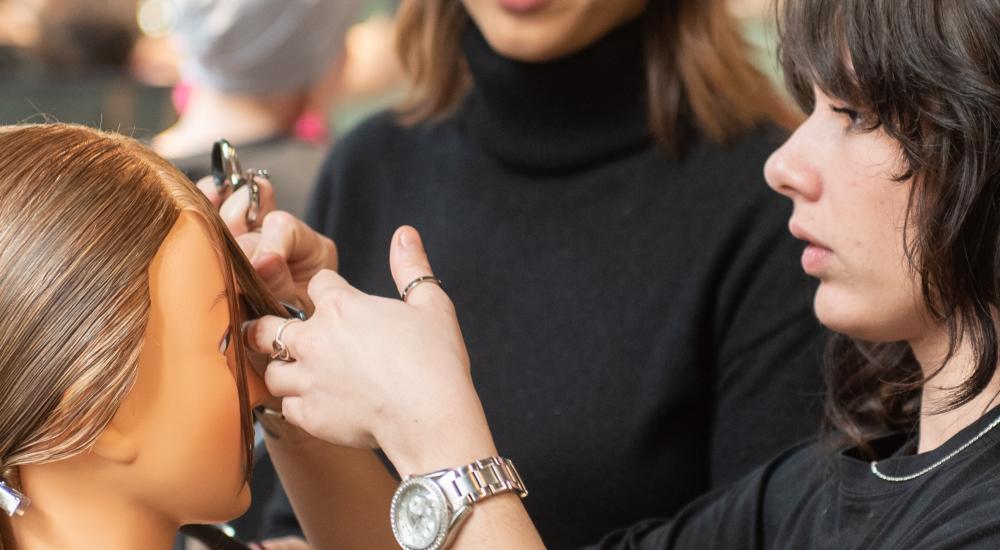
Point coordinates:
[(116, 446)]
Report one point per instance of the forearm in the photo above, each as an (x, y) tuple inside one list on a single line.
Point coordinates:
[(499, 522), (340, 495)]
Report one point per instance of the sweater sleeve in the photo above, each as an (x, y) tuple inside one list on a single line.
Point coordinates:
[(767, 378)]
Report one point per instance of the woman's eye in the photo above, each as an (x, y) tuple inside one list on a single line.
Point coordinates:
[(224, 344), (853, 116)]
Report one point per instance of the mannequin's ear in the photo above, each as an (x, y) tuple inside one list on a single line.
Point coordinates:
[(115, 446)]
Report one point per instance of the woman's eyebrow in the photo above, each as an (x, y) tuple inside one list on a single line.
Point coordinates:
[(218, 298)]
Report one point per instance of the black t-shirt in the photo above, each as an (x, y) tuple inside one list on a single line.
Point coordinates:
[(812, 498), (639, 326)]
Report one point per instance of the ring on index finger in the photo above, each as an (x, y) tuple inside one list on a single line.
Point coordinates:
[(281, 352)]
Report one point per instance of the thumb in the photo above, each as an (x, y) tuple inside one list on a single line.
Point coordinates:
[(408, 262)]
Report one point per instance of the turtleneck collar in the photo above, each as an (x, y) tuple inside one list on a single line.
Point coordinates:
[(561, 115)]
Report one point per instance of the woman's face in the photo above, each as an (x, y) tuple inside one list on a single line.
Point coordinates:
[(851, 213), (542, 30), (183, 412)]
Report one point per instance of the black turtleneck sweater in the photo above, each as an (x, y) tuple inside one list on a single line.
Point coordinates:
[(639, 327)]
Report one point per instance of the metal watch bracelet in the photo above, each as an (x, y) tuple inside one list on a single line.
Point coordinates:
[(481, 479)]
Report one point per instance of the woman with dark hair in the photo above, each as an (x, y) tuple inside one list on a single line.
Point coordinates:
[(894, 178), (557, 153)]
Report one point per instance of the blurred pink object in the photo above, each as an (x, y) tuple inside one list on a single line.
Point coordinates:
[(180, 96), (312, 127)]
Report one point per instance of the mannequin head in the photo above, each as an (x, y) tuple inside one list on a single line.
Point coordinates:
[(119, 286)]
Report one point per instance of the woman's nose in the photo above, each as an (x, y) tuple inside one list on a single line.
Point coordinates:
[(790, 170)]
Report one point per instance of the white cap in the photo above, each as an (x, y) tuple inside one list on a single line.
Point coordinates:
[(260, 46)]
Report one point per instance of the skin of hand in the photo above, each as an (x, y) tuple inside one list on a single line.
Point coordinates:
[(373, 371), (284, 543), (284, 250)]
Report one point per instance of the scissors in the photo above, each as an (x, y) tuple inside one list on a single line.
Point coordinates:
[(230, 177)]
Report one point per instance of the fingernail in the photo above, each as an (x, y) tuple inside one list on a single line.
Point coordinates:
[(409, 240)]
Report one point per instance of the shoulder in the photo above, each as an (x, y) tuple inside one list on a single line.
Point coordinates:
[(383, 142), (369, 139)]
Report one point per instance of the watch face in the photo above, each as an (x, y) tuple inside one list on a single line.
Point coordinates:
[(420, 515)]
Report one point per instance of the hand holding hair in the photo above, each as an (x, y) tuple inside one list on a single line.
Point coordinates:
[(285, 252), (371, 371)]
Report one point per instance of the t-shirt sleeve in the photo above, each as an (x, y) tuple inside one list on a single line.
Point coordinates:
[(767, 382), (967, 523), (727, 518)]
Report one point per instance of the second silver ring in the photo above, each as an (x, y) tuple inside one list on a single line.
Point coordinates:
[(280, 350)]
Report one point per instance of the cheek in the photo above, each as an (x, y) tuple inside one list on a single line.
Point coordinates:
[(219, 431), (208, 442), (872, 298)]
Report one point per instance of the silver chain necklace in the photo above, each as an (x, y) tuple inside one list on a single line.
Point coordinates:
[(950, 455)]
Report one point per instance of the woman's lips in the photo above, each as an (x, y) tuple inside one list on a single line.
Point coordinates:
[(522, 6), (815, 258)]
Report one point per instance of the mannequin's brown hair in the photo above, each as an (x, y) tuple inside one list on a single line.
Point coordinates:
[(82, 214)]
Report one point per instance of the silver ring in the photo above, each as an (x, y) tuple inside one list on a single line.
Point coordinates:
[(254, 210), (416, 282), (281, 352)]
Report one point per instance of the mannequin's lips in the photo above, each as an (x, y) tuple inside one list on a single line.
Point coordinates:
[(522, 6)]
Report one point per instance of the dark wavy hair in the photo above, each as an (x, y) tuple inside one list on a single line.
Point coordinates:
[(927, 73)]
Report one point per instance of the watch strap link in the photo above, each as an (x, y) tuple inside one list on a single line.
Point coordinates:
[(481, 479)]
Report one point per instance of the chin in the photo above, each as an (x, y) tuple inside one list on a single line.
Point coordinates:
[(241, 503), (529, 43), (223, 507), (527, 51), (853, 316)]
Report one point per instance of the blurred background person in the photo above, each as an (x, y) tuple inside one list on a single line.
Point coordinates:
[(262, 74)]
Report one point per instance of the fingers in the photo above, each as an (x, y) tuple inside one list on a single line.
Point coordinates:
[(292, 410), (207, 187), (260, 333), (289, 237), (277, 276), (248, 243), (286, 543), (233, 210), (282, 380), (325, 289), (408, 261)]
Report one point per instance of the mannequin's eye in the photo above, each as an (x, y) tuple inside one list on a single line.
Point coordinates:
[(224, 343)]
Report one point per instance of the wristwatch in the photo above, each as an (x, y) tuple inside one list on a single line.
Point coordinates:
[(428, 509)]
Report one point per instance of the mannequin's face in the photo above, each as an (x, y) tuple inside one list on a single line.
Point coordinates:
[(542, 30), (183, 415)]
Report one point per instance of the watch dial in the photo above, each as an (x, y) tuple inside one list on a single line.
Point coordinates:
[(418, 516)]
